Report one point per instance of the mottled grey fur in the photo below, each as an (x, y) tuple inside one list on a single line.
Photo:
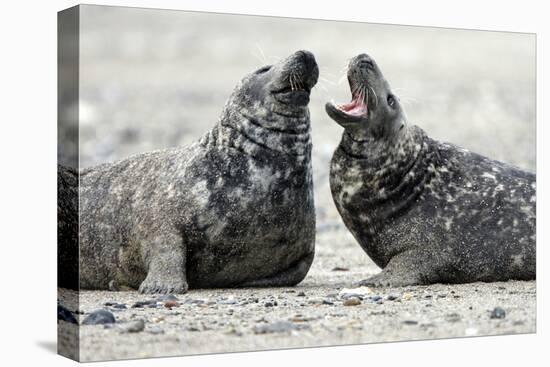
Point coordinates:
[(425, 211), (234, 209)]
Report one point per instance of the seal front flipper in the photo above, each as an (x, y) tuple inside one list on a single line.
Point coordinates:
[(165, 258), (401, 271)]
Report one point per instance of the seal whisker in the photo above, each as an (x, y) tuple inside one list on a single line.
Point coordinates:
[(375, 97)]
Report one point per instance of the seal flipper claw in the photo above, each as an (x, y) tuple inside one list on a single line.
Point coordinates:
[(388, 279)]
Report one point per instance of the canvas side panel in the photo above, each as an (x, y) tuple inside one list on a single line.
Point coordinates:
[(68, 22)]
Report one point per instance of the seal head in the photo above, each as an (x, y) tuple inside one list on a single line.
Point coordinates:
[(374, 111)]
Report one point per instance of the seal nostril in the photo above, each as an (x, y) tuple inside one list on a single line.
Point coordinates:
[(367, 63)]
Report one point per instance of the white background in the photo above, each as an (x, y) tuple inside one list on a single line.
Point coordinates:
[(28, 180)]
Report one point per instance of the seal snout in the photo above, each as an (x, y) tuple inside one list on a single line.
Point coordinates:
[(302, 64)]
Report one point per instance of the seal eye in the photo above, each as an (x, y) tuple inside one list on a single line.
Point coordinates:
[(263, 69), (391, 101)]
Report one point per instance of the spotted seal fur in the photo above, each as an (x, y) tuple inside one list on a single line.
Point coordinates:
[(234, 209), (425, 211)]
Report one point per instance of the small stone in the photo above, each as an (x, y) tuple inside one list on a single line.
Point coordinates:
[(375, 298), (167, 297), (278, 327), (410, 322), (340, 268), (498, 313), (301, 294), (99, 317), (269, 304), (453, 317), (442, 295), (328, 301), (133, 326), (65, 315), (158, 319), (407, 296), (360, 292), (142, 304), (120, 306), (391, 297), (170, 304), (155, 330), (228, 301), (352, 301)]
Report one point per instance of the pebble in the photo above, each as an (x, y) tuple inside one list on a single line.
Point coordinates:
[(340, 268), (498, 313), (453, 317), (353, 301), (301, 294), (155, 330), (359, 292), (228, 301), (120, 306), (170, 304), (99, 317), (328, 301), (278, 327), (410, 322), (407, 296), (392, 297), (65, 315), (142, 304), (133, 326)]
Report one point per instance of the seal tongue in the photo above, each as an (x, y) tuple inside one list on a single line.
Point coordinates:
[(356, 107)]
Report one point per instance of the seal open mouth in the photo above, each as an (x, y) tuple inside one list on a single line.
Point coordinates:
[(354, 111)]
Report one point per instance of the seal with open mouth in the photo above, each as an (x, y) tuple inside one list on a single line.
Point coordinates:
[(234, 209), (425, 211)]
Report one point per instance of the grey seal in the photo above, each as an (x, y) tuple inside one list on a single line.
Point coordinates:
[(234, 209), (423, 210)]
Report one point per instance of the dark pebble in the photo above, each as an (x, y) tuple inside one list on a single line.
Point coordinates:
[(410, 322), (328, 301), (65, 315), (120, 306), (375, 298), (391, 297), (142, 304), (340, 268), (301, 294), (498, 313), (99, 317), (269, 304)]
